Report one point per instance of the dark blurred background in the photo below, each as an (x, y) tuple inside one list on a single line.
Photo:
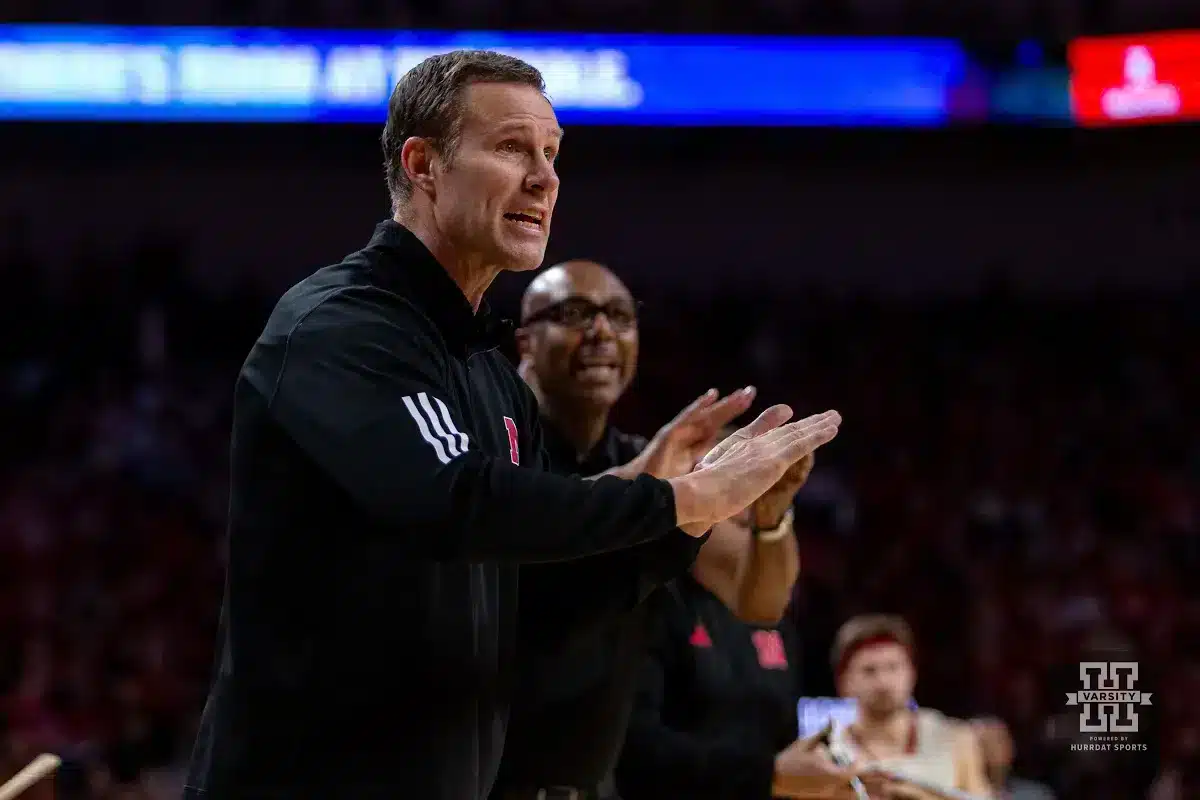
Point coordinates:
[(1003, 311)]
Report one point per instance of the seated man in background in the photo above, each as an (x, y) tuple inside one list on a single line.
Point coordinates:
[(715, 713), (873, 662), (583, 636)]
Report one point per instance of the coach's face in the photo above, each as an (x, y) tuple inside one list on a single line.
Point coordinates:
[(881, 677), (496, 196), (580, 335)]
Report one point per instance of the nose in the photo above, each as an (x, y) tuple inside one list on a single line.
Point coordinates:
[(601, 327), (542, 178)]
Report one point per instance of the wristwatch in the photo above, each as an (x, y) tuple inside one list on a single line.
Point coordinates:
[(784, 528)]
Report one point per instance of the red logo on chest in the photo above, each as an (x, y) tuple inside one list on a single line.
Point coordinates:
[(700, 637), (769, 645), (514, 450)]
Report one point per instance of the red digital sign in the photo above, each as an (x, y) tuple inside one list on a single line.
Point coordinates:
[(1136, 80)]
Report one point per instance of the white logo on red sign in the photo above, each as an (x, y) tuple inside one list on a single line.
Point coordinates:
[(1142, 95)]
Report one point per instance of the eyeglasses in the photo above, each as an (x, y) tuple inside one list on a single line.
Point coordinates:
[(580, 314)]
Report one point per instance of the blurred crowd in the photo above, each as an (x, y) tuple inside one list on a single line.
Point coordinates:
[(981, 19), (1020, 478)]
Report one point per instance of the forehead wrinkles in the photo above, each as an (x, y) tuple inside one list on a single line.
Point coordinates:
[(528, 125), (487, 108)]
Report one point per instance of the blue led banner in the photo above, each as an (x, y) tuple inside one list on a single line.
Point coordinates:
[(52, 72)]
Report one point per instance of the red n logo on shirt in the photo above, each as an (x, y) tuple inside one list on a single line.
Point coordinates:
[(514, 452), (769, 645)]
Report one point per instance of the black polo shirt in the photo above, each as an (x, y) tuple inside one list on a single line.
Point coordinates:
[(581, 638), (716, 702), (388, 476)]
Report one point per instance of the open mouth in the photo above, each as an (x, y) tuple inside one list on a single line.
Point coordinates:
[(598, 371), (528, 218)]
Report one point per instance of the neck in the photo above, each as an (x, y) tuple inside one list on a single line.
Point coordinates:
[(892, 729), (582, 428), (469, 271)]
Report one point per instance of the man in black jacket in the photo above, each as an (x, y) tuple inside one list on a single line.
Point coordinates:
[(388, 476), (583, 626)]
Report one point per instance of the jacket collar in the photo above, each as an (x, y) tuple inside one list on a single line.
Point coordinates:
[(407, 263)]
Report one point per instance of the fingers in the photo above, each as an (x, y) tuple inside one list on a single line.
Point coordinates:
[(806, 468), (818, 739), (788, 432), (706, 415), (703, 401), (896, 791), (796, 441), (770, 419), (719, 414), (797, 474), (806, 442), (830, 417), (799, 439), (826, 765), (800, 471)]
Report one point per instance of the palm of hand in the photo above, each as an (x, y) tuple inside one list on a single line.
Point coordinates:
[(769, 509), (748, 463), (674, 450), (678, 445)]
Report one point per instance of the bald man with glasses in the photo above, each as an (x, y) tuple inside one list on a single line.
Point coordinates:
[(584, 624)]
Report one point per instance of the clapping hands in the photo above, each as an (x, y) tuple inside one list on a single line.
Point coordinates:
[(766, 460), (682, 442), (746, 464)]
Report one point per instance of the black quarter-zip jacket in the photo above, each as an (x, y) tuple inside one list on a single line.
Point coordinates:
[(387, 478)]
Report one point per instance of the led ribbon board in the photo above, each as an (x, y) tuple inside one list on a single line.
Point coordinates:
[(81, 73), (1136, 80)]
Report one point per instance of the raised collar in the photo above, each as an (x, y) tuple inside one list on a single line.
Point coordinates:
[(408, 263)]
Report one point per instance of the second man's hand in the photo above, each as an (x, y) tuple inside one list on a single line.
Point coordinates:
[(745, 465), (680, 443), (768, 512)]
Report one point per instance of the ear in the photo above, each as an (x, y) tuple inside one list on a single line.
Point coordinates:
[(524, 342), (418, 159)]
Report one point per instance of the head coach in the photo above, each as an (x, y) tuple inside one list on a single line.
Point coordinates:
[(388, 476)]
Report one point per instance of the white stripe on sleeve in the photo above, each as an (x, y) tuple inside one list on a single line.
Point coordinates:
[(462, 437), (450, 440), (423, 427)]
